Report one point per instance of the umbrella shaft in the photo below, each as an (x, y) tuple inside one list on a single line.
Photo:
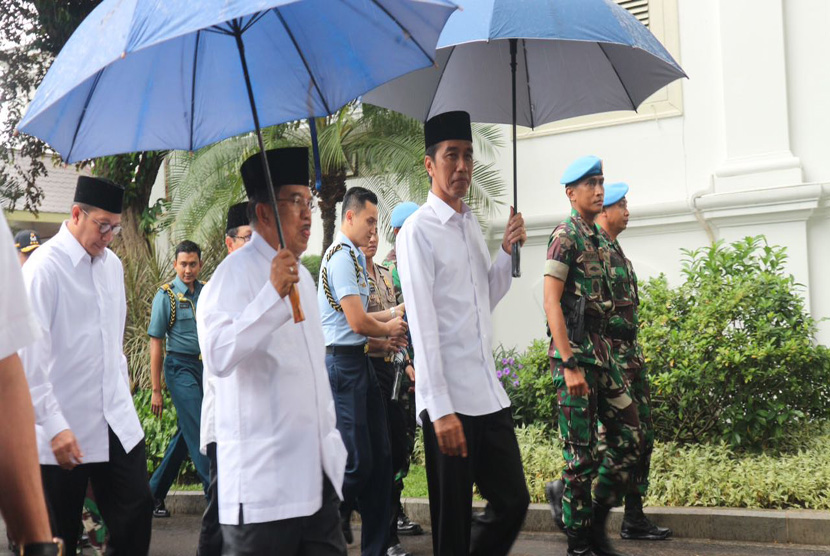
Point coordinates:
[(269, 184)]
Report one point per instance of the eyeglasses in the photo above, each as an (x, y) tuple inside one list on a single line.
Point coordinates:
[(299, 202), (246, 238), (103, 227)]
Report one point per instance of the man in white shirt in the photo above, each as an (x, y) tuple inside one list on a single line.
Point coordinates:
[(238, 233), (87, 427), (22, 503), (280, 458), (451, 287)]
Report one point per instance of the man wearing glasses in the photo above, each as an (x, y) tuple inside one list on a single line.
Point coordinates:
[(173, 319), (238, 229), (87, 427)]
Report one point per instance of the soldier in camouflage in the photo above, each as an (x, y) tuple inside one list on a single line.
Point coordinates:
[(578, 304), (627, 356)]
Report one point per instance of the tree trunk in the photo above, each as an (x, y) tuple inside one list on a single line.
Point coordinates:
[(332, 190)]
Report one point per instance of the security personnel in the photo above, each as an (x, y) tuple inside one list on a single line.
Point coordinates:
[(26, 241), (578, 303), (393, 367), (343, 298), (627, 356), (174, 317), (399, 215)]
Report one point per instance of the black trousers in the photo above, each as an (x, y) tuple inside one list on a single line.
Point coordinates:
[(315, 535), (494, 464), (361, 420), (210, 537), (121, 491), (398, 438)]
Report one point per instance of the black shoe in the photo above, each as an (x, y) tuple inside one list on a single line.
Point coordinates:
[(159, 510), (406, 526), (554, 491), (346, 525), (578, 544), (600, 544), (397, 550), (636, 526)]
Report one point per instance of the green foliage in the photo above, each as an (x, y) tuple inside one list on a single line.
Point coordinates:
[(157, 432), (527, 381), (731, 352), (312, 263)]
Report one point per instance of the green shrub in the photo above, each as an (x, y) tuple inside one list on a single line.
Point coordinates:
[(527, 381), (158, 432), (731, 352), (312, 263)]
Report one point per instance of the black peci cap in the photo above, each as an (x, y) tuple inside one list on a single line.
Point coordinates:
[(447, 126), (289, 166), (100, 193)]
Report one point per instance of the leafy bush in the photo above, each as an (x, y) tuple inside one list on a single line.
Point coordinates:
[(527, 381), (312, 263), (731, 352)]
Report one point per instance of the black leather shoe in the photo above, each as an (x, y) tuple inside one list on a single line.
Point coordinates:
[(578, 544), (406, 526), (636, 526), (600, 544), (159, 510), (397, 550), (554, 491)]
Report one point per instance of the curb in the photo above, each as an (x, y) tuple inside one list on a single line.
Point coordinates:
[(722, 524)]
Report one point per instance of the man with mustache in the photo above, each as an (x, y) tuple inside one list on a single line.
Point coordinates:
[(173, 325), (578, 303), (280, 459)]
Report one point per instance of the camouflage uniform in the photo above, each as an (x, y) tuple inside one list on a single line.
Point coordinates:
[(579, 256), (627, 355)]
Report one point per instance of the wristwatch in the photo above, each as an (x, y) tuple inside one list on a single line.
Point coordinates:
[(54, 548), (569, 363)]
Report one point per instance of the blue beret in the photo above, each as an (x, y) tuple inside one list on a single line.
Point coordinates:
[(582, 167), (614, 193), (401, 212)]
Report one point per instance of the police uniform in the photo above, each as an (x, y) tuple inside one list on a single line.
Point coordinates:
[(26, 241), (627, 356), (579, 256), (183, 375), (361, 417)]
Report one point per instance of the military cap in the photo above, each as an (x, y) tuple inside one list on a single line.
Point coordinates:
[(446, 127), (582, 168), (401, 212), (99, 193), (289, 166), (237, 216), (614, 192), (26, 241)]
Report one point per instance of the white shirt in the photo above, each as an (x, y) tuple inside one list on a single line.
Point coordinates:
[(450, 288), (207, 426), (18, 327), (275, 421), (77, 372)]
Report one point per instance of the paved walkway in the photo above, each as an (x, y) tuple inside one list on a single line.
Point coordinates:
[(178, 536)]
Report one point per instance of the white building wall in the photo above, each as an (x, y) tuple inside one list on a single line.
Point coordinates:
[(748, 155)]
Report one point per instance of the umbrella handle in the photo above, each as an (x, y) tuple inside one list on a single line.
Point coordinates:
[(294, 298), (516, 256)]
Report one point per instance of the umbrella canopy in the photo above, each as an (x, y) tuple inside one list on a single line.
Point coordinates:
[(165, 74), (575, 57)]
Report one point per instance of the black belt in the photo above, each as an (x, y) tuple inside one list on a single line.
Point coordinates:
[(360, 349), (191, 356)]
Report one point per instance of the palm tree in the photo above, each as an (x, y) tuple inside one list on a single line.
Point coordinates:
[(380, 148)]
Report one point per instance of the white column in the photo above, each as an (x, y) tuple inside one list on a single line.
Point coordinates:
[(756, 120)]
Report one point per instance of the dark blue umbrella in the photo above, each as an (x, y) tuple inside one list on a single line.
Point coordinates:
[(530, 62), (181, 74)]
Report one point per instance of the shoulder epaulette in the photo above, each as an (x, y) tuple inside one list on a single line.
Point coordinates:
[(168, 288)]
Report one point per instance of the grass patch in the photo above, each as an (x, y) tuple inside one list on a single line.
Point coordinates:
[(415, 484)]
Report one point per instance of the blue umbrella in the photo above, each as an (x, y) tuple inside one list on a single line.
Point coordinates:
[(570, 57), (178, 74)]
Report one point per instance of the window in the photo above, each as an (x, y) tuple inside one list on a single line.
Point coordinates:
[(660, 16)]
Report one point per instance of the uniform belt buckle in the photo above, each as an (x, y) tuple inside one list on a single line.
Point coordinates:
[(366, 348)]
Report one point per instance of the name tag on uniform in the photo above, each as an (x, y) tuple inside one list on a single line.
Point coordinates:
[(184, 305)]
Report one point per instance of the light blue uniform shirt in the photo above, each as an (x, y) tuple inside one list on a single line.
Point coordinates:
[(182, 337), (343, 281)]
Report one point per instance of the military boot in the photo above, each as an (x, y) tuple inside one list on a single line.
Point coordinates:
[(636, 526), (554, 491), (600, 544), (578, 543)]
